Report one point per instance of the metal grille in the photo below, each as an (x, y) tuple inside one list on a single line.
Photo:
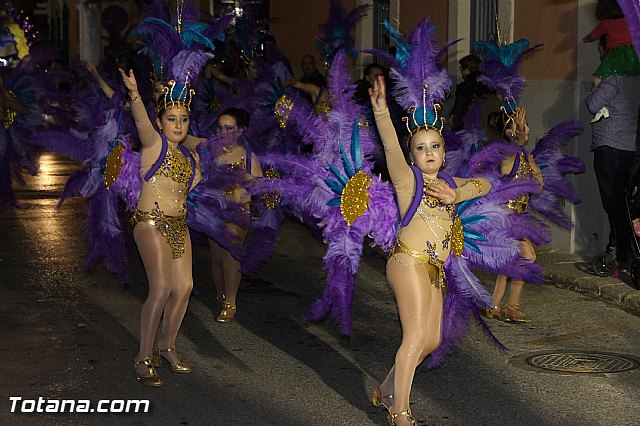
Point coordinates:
[(380, 36), (582, 362), (483, 19)]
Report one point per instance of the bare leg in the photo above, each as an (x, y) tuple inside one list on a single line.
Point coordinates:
[(527, 251), (420, 309), (231, 267), (156, 256), (176, 307), (498, 291), (216, 267), (513, 312)]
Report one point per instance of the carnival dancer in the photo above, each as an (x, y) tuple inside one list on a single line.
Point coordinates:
[(500, 73), (415, 269), (512, 124), (170, 171), (237, 156)]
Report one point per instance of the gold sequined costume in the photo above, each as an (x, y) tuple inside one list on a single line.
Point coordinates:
[(430, 235), (169, 195)]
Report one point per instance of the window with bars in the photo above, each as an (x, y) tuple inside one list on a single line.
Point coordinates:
[(380, 34), (483, 20)]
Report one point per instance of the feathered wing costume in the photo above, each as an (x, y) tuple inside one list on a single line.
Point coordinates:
[(111, 178), (16, 154), (419, 86), (334, 184), (24, 85), (500, 72)]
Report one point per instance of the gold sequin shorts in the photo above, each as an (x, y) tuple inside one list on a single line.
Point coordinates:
[(434, 267), (173, 228)]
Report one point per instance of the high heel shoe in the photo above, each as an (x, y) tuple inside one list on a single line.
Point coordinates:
[(227, 313), (513, 313), (178, 367), (496, 312), (377, 397), (152, 380), (391, 417)]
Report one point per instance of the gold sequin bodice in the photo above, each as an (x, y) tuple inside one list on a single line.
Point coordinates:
[(176, 166), (524, 171), (169, 185), (430, 229)]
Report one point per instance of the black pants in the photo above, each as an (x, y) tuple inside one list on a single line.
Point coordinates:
[(612, 167)]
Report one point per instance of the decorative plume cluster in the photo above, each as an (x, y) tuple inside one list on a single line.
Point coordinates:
[(419, 80), (182, 45), (500, 66), (336, 30), (309, 186)]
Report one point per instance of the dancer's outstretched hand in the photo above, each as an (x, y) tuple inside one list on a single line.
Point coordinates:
[(378, 94), (129, 80)]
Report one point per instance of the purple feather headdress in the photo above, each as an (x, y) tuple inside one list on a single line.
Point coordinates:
[(336, 30), (500, 66), (420, 83)]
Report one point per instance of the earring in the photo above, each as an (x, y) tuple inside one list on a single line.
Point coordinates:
[(444, 159)]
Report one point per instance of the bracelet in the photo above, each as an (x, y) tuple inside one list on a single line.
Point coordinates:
[(133, 99)]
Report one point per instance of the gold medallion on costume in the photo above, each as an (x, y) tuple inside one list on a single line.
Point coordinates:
[(283, 109), (354, 200), (271, 199), (457, 237), (114, 165)]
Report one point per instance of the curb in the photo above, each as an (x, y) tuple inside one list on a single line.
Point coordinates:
[(615, 292)]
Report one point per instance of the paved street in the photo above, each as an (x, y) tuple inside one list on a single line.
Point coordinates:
[(70, 336)]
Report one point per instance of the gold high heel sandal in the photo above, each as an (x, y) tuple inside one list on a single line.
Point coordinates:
[(228, 313), (513, 313), (406, 413), (376, 398), (152, 380), (497, 313), (178, 367)]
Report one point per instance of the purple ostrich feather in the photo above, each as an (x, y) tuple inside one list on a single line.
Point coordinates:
[(631, 10)]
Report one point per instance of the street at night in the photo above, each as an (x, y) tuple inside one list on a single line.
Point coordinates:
[(320, 213), (73, 336)]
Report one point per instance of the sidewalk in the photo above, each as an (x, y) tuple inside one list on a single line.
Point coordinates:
[(572, 272)]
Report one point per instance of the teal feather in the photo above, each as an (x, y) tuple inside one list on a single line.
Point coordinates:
[(472, 246), (463, 206), (474, 235), (334, 202), (343, 180), (192, 33), (335, 186), (356, 154), (346, 163), (403, 49), (473, 219)]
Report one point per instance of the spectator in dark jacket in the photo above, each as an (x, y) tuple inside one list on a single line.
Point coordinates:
[(467, 91), (613, 142)]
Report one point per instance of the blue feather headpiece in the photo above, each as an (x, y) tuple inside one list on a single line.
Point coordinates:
[(423, 117)]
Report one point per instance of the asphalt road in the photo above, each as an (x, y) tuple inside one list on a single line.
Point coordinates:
[(66, 335)]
